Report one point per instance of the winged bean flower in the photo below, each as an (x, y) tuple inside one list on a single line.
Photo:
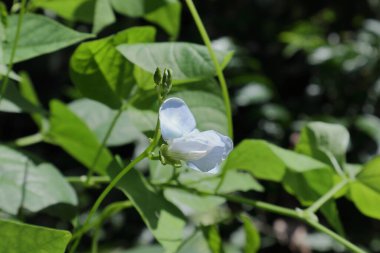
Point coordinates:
[(202, 151)]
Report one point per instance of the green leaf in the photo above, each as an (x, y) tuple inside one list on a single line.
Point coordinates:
[(104, 15), (100, 72), (365, 190), (25, 185), (72, 10), (163, 219), (168, 17), (213, 238), (73, 135), (319, 138), (129, 127), (258, 158), (233, 181), (39, 35), (252, 236), (23, 238), (370, 125), (267, 161), (165, 13), (29, 93), (187, 61), (191, 204), (137, 8), (14, 102)]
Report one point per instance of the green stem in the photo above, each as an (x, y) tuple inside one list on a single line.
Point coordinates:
[(334, 235), (218, 68), (29, 140), (13, 52), (78, 235), (83, 180), (103, 144), (326, 197), (293, 213), (263, 205), (108, 211)]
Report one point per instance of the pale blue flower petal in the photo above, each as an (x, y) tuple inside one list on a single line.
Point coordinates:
[(204, 151), (220, 147), (176, 119)]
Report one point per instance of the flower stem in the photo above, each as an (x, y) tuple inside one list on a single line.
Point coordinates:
[(326, 197), (263, 205), (13, 51), (218, 68), (78, 235), (108, 211), (334, 235), (297, 214)]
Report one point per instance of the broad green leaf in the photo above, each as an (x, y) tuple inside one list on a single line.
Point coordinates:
[(39, 35), (365, 190), (26, 185), (128, 128), (252, 236), (317, 138), (24, 238), (168, 17), (72, 10), (257, 158), (163, 219), (100, 72), (74, 136), (104, 15), (266, 161), (187, 61)]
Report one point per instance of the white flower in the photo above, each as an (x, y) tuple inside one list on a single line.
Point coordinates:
[(203, 151)]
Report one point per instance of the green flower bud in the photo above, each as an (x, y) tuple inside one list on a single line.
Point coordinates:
[(157, 77)]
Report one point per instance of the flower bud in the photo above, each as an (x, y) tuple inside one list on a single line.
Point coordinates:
[(157, 77)]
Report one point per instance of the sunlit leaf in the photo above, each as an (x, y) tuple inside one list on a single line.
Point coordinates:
[(33, 187), (187, 61), (39, 35), (365, 190), (319, 138), (75, 137), (24, 238), (163, 219), (73, 10), (100, 72)]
